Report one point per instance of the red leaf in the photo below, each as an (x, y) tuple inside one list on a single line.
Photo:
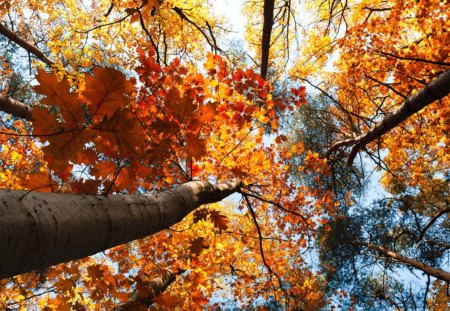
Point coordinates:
[(86, 186), (195, 146)]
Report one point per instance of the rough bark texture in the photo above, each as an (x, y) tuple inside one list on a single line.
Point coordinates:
[(155, 287), (15, 108), (435, 90), (25, 44), (431, 271), (267, 32), (38, 230)]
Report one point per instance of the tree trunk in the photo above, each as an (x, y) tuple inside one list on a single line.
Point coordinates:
[(15, 108), (437, 273), (144, 297), (267, 32), (38, 230), (435, 90), (24, 44)]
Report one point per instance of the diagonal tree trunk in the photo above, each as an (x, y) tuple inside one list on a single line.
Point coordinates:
[(38, 230), (429, 270), (25, 44), (435, 90), (15, 108), (152, 289)]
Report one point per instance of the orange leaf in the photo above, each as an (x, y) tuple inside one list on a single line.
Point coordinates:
[(121, 134), (166, 300), (58, 94), (106, 92), (208, 112), (86, 186), (195, 146)]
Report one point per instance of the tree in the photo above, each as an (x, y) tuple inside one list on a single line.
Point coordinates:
[(130, 105)]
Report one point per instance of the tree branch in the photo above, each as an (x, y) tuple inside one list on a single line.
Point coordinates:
[(435, 90), (15, 108), (26, 45), (429, 270)]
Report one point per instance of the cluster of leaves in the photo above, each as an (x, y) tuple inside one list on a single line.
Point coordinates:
[(168, 125)]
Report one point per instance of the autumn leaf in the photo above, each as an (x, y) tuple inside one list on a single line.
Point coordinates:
[(208, 112), (197, 246), (220, 221), (106, 91), (120, 134), (166, 300), (89, 186), (58, 93), (195, 146)]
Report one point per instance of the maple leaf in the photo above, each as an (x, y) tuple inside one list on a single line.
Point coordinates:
[(120, 134), (195, 146), (219, 220), (208, 112), (200, 214), (197, 246), (181, 107), (106, 92), (57, 93), (166, 300), (85, 186)]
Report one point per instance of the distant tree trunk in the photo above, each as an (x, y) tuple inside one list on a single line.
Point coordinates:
[(431, 271), (267, 32), (144, 297), (38, 230), (15, 108)]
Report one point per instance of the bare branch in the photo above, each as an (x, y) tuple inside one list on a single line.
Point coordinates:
[(25, 44), (435, 90)]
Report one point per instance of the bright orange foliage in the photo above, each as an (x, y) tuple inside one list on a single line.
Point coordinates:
[(134, 104)]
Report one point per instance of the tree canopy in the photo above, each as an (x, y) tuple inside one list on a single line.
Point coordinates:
[(125, 124)]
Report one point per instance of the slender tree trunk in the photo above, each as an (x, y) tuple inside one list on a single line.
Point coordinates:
[(38, 230), (435, 90), (25, 44), (15, 108), (144, 298), (437, 273), (267, 32)]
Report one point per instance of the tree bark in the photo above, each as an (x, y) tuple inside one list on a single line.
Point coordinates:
[(155, 287), (429, 270), (267, 32), (38, 230), (435, 90), (15, 108), (25, 44)]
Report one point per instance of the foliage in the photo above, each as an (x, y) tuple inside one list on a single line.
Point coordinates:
[(134, 104)]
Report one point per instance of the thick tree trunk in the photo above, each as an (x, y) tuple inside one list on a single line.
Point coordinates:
[(15, 108), (267, 32), (25, 44), (431, 271), (38, 230), (435, 90), (144, 298)]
